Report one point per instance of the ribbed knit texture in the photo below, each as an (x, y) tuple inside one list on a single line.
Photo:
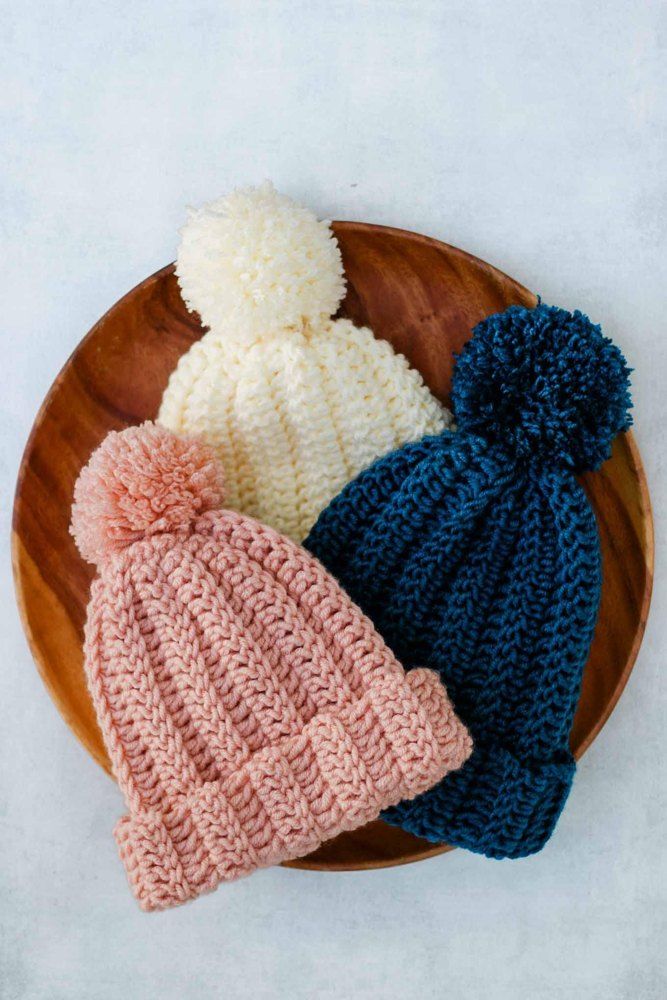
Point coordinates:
[(477, 554), (250, 711), (294, 419), (294, 404)]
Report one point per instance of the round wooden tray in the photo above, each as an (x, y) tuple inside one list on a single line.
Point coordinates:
[(421, 295)]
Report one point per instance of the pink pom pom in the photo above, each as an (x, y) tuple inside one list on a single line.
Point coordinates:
[(139, 482)]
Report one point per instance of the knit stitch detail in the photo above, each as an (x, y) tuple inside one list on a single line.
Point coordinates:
[(292, 795), (293, 402), (477, 554), (467, 570), (293, 419), (248, 708)]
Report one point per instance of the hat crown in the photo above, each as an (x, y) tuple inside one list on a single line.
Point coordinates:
[(293, 418)]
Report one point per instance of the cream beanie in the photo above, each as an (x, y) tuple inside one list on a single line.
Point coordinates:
[(295, 403)]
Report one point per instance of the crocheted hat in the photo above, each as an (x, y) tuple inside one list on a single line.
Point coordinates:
[(294, 403), (477, 553), (249, 709)]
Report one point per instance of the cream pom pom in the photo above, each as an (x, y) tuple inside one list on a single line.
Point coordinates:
[(142, 481), (255, 262)]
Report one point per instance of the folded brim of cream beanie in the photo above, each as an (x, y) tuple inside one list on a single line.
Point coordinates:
[(249, 709)]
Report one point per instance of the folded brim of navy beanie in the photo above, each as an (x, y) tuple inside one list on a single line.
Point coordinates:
[(477, 554), (496, 805)]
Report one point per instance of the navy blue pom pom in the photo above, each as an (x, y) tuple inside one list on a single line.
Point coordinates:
[(544, 383)]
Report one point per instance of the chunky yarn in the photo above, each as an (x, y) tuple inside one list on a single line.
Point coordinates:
[(255, 262), (144, 481), (293, 402), (477, 554), (545, 383), (249, 709)]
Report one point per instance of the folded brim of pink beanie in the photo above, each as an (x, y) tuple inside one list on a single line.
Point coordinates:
[(340, 772)]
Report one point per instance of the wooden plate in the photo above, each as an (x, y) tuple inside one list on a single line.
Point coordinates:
[(421, 295)]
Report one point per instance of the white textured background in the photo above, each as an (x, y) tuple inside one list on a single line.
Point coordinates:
[(532, 134)]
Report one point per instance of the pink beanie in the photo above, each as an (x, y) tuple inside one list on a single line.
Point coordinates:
[(249, 709)]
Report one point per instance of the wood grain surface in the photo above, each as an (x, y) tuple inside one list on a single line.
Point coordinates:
[(421, 295)]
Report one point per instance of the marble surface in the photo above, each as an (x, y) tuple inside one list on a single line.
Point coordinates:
[(531, 134)]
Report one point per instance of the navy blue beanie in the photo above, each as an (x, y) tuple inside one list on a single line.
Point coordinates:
[(477, 553)]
